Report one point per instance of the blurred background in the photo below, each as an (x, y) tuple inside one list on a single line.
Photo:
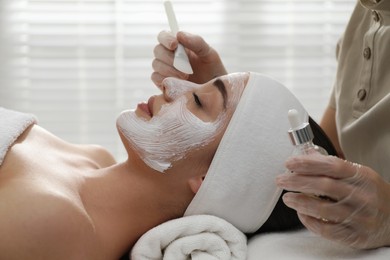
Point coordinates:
[(76, 64)]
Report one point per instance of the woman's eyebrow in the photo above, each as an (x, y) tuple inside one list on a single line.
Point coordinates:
[(222, 88)]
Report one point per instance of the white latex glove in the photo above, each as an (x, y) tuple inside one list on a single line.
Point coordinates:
[(204, 60), (358, 213)]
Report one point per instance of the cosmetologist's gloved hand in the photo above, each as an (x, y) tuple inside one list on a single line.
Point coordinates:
[(205, 61), (358, 211)]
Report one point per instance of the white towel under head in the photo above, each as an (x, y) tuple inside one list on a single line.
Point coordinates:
[(240, 183), (194, 237)]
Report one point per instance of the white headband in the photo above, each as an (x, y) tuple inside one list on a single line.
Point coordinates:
[(240, 183)]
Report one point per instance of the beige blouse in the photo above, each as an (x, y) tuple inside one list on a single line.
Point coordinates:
[(361, 94)]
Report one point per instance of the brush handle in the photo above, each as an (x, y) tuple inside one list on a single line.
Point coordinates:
[(171, 17), (180, 61)]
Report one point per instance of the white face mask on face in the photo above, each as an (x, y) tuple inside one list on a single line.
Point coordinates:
[(174, 131)]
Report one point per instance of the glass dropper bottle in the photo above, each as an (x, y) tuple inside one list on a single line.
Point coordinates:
[(301, 135)]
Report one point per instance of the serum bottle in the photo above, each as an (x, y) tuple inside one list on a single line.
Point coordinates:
[(302, 136)]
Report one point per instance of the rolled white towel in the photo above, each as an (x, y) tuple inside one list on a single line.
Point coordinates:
[(197, 237)]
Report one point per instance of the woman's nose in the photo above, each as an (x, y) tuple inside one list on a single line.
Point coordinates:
[(174, 88), (166, 93)]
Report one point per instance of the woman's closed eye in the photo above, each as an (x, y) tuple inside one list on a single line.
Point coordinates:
[(197, 100)]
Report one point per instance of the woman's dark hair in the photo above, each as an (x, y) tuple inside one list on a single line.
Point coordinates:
[(283, 217)]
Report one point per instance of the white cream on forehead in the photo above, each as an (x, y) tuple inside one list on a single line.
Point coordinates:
[(174, 131)]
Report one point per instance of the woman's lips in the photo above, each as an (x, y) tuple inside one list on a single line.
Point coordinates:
[(147, 107), (144, 108)]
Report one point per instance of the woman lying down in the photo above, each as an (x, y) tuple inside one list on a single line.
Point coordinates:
[(194, 149)]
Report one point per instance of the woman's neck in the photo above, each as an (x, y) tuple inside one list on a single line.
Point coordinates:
[(127, 199)]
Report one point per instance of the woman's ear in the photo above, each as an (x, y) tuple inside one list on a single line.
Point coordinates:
[(195, 183)]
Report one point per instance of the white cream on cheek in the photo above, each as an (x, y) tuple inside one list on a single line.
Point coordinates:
[(170, 134), (174, 131)]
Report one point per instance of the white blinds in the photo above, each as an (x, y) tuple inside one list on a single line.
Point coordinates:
[(77, 63)]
